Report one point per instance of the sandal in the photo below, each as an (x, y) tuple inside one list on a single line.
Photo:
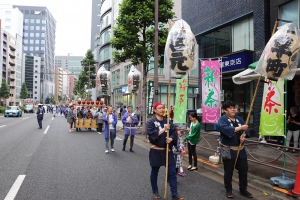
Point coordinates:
[(176, 197), (189, 167), (229, 195), (246, 194), (156, 196)]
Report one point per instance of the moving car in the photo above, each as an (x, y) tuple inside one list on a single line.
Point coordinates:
[(29, 108), (13, 111)]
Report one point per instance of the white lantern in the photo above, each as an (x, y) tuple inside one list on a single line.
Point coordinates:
[(181, 52), (134, 78), (105, 78)]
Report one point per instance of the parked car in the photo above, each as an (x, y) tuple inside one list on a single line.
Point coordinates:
[(29, 108), (13, 111)]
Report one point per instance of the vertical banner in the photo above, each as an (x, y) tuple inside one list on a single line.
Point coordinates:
[(211, 94), (150, 97), (181, 100), (272, 110)]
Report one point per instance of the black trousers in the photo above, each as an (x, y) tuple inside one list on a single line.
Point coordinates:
[(192, 153), (100, 127), (131, 140), (242, 167)]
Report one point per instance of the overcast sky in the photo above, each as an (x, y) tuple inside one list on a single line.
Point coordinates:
[(73, 23)]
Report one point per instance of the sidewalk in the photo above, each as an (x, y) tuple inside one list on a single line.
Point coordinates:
[(258, 175)]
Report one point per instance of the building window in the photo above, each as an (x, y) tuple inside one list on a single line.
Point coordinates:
[(43, 28), (151, 67), (35, 77), (32, 12), (42, 48), (42, 41), (27, 12), (35, 81), (31, 34), (36, 48), (43, 21), (37, 34), (37, 21), (31, 20), (194, 72), (25, 41), (37, 41), (26, 20), (42, 34), (32, 28), (25, 27), (37, 28), (7, 20), (30, 41), (25, 48), (7, 12), (25, 34), (289, 11), (31, 48), (126, 72), (7, 27)]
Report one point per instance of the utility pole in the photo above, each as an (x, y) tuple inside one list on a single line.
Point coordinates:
[(156, 53), (30, 92)]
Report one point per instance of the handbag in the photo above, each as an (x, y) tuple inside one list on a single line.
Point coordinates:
[(225, 153)]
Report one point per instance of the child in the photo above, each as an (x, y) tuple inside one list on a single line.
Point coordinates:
[(178, 151)]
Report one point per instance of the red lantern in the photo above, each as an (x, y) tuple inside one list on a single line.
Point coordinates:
[(79, 102), (101, 103), (97, 102), (83, 102), (88, 102), (92, 102)]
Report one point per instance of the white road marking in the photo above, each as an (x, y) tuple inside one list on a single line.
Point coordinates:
[(25, 117), (46, 129), (15, 188), (52, 118), (2, 126), (119, 138)]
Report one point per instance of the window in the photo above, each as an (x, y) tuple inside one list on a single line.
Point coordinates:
[(30, 41), (37, 28), (42, 34), (25, 41), (35, 76), (31, 20), (36, 48), (7, 27), (25, 27), (37, 34), (42, 48), (31, 48), (25, 48), (25, 34), (43, 21), (289, 11), (27, 12), (37, 41), (37, 21), (31, 34), (26, 20), (42, 41), (7, 20), (32, 12), (126, 71), (35, 87), (32, 28), (7, 12), (151, 67), (35, 97), (43, 28)]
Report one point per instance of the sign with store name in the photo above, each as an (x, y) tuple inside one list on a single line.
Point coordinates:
[(181, 100), (236, 61), (150, 97)]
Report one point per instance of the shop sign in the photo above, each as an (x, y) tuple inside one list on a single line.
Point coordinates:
[(125, 90), (236, 61), (150, 97), (181, 100)]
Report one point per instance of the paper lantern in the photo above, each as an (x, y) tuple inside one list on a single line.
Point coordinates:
[(92, 102), (280, 54), (97, 102), (181, 50), (105, 78), (79, 102), (83, 102), (88, 103), (134, 78)]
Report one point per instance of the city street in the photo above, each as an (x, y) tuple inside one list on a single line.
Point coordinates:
[(54, 163)]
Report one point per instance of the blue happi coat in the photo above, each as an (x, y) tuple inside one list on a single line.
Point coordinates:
[(114, 123), (158, 157), (134, 121), (229, 137)]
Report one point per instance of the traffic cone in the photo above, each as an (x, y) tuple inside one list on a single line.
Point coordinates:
[(296, 190)]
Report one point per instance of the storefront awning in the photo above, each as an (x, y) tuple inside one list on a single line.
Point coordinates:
[(249, 74)]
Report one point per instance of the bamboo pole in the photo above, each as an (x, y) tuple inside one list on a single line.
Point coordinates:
[(252, 103)]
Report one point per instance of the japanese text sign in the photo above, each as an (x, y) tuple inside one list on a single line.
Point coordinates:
[(150, 97), (181, 100)]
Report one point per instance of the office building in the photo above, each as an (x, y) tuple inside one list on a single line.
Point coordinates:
[(39, 40), (72, 64)]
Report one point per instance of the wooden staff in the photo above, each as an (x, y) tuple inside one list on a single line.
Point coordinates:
[(252, 102)]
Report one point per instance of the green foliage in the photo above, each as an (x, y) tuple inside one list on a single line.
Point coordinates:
[(134, 32), (80, 85), (89, 70), (4, 90), (22, 108), (2, 109), (24, 91)]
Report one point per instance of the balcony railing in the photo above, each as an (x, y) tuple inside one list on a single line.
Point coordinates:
[(11, 63)]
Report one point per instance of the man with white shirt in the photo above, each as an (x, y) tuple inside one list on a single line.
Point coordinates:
[(110, 120)]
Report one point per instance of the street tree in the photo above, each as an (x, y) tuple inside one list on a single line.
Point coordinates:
[(80, 85), (134, 33), (24, 91), (4, 90)]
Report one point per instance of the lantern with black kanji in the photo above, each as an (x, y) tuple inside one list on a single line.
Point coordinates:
[(134, 78), (105, 78)]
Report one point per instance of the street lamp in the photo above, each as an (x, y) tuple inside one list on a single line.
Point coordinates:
[(30, 92)]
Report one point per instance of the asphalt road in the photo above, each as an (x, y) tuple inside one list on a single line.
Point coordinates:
[(55, 164)]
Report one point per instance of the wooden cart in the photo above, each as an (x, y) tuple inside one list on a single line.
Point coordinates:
[(85, 123)]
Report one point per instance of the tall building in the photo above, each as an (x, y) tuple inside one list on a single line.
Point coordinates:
[(58, 83), (31, 76), (70, 63), (95, 23), (39, 40), (71, 80), (12, 22)]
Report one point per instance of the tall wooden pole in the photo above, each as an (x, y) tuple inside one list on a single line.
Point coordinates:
[(156, 52)]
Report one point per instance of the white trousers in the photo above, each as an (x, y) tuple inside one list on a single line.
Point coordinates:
[(295, 135)]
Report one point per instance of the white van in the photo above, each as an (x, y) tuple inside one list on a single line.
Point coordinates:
[(29, 108)]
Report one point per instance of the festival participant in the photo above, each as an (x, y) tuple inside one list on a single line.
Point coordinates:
[(40, 115), (99, 116), (110, 121), (71, 117), (193, 139), (129, 120), (156, 129), (231, 128), (293, 125)]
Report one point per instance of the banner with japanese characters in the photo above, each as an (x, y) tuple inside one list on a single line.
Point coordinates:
[(181, 100), (272, 110), (150, 97), (211, 94)]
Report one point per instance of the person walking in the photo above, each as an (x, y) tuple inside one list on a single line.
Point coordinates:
[(157, 133), (129, 121), (99, 116), (138, 115), (293, 125), (179, 150), (231, 129), (40, 115), (110, 121), (71, 117), (192, 140)]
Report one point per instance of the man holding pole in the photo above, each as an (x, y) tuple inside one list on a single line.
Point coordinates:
[(231, 129), (157, 131), (110, 120), (129, 120)]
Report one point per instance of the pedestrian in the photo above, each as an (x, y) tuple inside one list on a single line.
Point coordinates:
[(110, 121), (178, 151), (138, 114), (124, 111), (192, 140), (293, 126), (121, 111), (40, 115), (231, 128), (99, 116), (156, 130), (129, 121), (71, 118)]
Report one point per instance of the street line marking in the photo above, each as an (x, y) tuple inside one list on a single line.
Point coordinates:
[(119, 138), (2, 126), (25, 118), (52, 118), (15, 188), (46, 129)]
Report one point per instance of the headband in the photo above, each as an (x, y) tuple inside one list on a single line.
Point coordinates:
[(157, 104)]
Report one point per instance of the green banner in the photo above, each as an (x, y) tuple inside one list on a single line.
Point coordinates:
[(150, 97), (272, 110), (181, 100)]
